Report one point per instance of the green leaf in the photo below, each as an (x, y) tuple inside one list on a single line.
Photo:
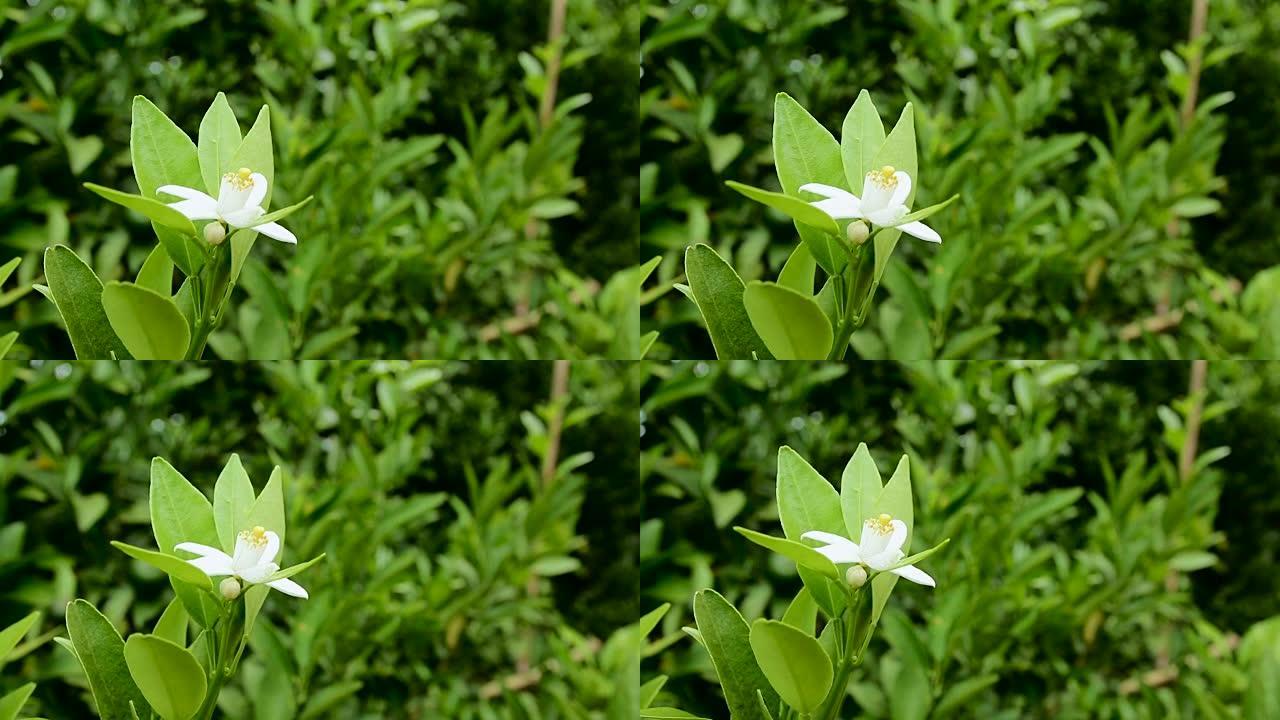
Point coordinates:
[(860, 487), (806, 501), (173, 566), (168, 675), (154, 210), (7, 340), (918, 557), (898, 151), (10, 636), (164, 155), (895, 499), (802, 613), (717, 291), (794, 662), (791, 324), (295, 569), (926, 212), (792, 207), (232, 501), (219, 138), (172, 625), (181, 513), (150, 324), (282, 212), (801, 554), (667, 713), (805, 152), (157, 272), (100, 651), (255, 153), (77, 293), (7, 269), (861, 136), (11, 704), (241, 244), (798, 272), (726, 636), (268, 508)]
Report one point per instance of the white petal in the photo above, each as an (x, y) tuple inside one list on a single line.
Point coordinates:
[(231, 198), (838, 549), (184, 192), (915, 575), (289, 587), (244, 555), (898, 538), (276, 231), (197, 208), (920, 230), (243, 217), (827, 191), (888, 216), (258, 192), (273, 547), (201, 550), (901, 192), (213, 565), (839, 204), (875, 193), (258, 573)]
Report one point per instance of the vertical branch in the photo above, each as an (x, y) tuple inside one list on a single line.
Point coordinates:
[(1195, 390), (1199, 20)]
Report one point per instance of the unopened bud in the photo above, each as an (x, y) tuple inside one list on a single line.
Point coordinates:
[(230, 588), (214, 233), (856, 576), (857, 232)]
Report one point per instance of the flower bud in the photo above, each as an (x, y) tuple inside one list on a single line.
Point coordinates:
[(856, 576), (214, 233), (857, 232), (230, 588)]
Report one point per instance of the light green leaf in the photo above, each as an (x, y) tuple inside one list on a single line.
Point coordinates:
[(926, 212), (861, 136), (794, 662), (799, 553), (219, 138), (667, 713), (726, 636), (802, 613), (805, 152), (153, 210), (173, 566), (100, 651), (918, 557), (168, 675), (150, 324), (799, 270), (791, 324), (172, 625), (7, 269), (157, 272), (792, 207), (282, 212), (7, 340), (860, 487), (717, 291), (255, 153), (11, 704), (295, 569), (77, 293), (164, 155), (898, 151), (268, 508), (10, 636), (232, 501), (181, 513), (895, 499), (806, 501)]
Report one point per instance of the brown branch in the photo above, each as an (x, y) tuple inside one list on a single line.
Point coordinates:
[(1167, 319), (559, 388), (526, 320)]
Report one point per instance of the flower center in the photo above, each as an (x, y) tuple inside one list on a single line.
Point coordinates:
[(241, 179), (883, 177), (256, 537), (882, 524)]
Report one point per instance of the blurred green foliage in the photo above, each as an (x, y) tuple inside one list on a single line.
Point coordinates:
[(460, 581), (1086, 576), (1091, 222), (443, 207)]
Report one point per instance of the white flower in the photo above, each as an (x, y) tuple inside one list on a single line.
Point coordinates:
[(883, 202), (239, 203), (252, 562), (881, 547)]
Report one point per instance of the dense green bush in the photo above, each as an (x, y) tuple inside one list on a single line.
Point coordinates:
[(1091, 223), (460, 581), (1086, 576), (443, 208)]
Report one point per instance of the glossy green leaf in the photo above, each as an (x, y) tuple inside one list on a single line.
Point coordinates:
[(792, 207), (173, 622), (791, 325), (232, 501), (799, 553), (294, 569), (861, 136), (153, 210), (726, 636), (794, 662), (255, 152), (802, 613), (895, 499), (860, 487), (168, 675), (268, 508), (806, 501), (282, 212), (10, 636), (718, 292), (898, 151), (172, 566), (164, 155), (805, 152), (219, 138), (799, 271), (77, 293), (918, 557), (11, 704), (149, 324), (6, 342), (7, 269), (667, 713), (100, 650), (157, 272), (926, 212), (181, 513)]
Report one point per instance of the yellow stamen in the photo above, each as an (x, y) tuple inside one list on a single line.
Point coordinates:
[(882, 524), (241, 179), (256, 537), (884, 177)]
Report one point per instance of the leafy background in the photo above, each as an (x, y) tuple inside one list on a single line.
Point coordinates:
[(460, 580), (1087, 575), (1092, 223), (448, 222)]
